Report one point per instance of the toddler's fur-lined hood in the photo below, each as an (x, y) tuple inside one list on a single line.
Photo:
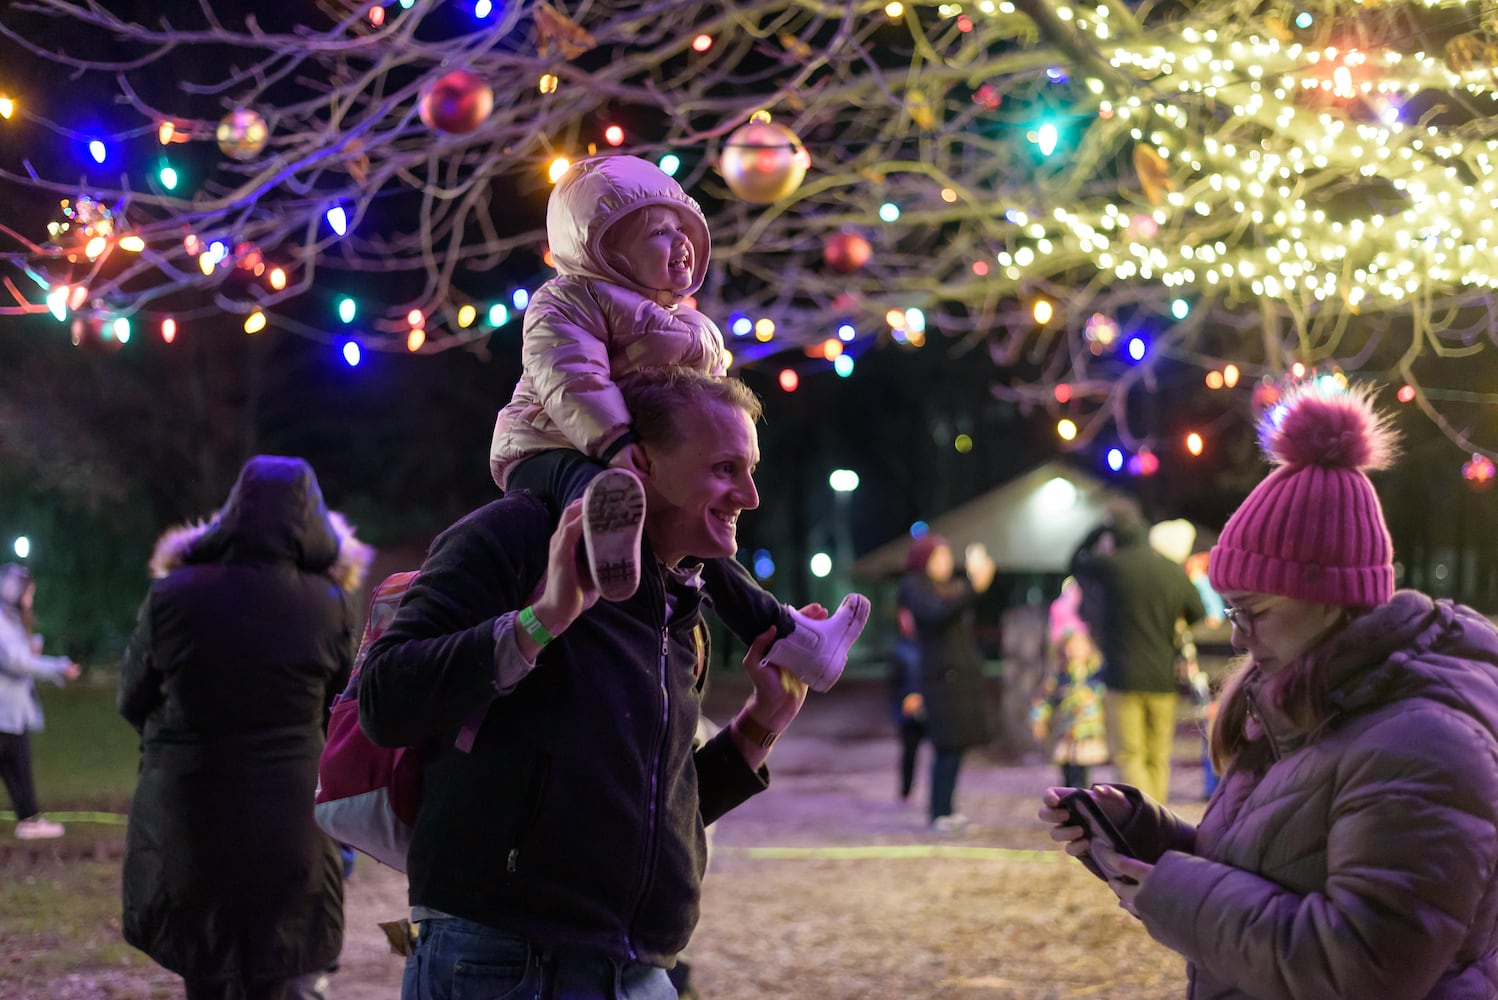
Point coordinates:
[(274, 512)]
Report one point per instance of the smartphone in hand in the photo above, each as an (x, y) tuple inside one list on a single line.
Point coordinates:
[(1086, 813)]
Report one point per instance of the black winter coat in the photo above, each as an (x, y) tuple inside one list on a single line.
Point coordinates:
[(951, 672), (239, 650), (576, 820)]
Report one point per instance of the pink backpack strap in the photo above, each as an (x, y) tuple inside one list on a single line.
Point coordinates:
[(470, 729)]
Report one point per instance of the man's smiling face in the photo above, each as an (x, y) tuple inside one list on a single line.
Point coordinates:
[(699, 484)]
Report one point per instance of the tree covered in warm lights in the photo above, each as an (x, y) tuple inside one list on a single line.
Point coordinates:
[(1084, 193)]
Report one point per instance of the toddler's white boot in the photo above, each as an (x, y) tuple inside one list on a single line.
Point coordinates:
[(817, 651)]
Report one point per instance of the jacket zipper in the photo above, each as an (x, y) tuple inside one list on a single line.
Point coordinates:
[(652, 806), (1253, 710)]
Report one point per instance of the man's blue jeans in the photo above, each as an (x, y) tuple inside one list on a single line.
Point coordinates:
[(460, 960)]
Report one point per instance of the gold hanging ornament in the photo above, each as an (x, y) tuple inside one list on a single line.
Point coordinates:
[(763, 162), (241, 134)]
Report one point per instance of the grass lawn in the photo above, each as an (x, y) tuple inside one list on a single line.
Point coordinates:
[(61, 912), (86, 758)]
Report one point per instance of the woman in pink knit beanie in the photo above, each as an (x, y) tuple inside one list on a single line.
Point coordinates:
[(1351, 847)]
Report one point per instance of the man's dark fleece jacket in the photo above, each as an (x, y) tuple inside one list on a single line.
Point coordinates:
[(1131, 599), (576, 821)]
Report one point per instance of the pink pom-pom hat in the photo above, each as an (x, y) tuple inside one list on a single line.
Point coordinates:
[(1314, 529)]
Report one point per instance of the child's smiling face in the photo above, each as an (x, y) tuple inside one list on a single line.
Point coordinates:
[(1078, 647), (654, 248)]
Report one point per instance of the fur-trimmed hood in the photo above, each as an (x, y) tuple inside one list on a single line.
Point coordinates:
[(274, 512)]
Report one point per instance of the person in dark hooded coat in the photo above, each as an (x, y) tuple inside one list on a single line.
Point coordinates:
[(941, 599), (244, 640)]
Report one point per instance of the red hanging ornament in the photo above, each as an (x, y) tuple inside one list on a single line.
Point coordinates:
[(846, 252), (457, 103), (1265, 395)]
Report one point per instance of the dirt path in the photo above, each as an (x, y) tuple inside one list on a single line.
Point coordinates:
[(827, 887)]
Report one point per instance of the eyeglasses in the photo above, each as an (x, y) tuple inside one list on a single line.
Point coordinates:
[(1244, 619)]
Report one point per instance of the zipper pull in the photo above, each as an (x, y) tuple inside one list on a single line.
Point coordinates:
[(512, 862)]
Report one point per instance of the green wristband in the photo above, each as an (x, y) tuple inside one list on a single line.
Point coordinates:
[(533, 627)]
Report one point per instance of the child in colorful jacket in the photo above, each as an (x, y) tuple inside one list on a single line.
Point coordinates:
[(1068, 715)]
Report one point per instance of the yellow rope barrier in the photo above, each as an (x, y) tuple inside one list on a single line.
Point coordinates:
[(103, 818), (888, 851)]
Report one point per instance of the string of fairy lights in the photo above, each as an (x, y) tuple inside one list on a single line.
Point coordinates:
[(1061, 183)]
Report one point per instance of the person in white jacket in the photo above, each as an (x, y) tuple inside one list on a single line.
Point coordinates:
[(21, 662)]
